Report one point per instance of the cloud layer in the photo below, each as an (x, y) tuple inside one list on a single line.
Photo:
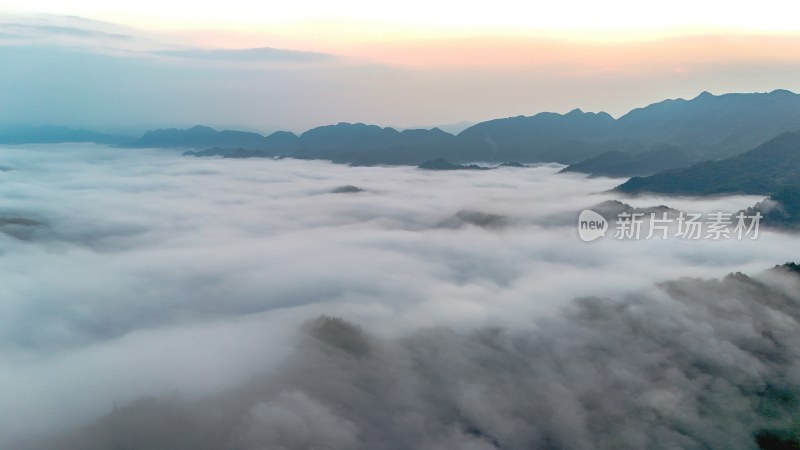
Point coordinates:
[(147, 273), (691, 364)]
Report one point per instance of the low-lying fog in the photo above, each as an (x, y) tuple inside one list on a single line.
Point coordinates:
[(146, 273)]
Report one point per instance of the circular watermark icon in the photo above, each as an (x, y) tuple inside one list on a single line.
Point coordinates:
[(591, 225)]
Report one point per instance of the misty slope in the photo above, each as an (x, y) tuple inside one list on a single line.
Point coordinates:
[(763, 170), (781, 210), (204, 137), (692, 364), (626, 164)]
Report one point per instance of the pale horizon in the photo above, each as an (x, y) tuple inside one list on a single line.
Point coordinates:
[(175, 63)]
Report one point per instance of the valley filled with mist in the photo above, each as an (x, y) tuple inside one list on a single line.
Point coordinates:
[(155, 300), (433, 225)]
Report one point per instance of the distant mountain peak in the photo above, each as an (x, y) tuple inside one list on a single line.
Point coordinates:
[(202, 128), (704, 95)]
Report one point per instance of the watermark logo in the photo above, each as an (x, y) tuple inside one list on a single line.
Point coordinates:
[(591, 225), (685, 226)]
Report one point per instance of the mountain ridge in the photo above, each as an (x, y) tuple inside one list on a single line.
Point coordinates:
[(762, 170), (706, 127)]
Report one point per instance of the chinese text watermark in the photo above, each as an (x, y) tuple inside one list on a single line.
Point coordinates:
[(686, 226)]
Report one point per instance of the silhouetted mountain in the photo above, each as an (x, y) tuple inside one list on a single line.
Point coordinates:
[(626, 164), (443, 164), (364, 145), (714, 126), (282, 143), (780, 210), (706, 127), (763, 170), (544, 137), (343, 135), (48, 134), (204, 137)]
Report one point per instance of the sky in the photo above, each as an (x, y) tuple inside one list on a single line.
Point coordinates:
[(123, 283), (419, 63)]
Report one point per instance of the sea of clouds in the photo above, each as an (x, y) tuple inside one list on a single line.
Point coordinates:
[(202, 287)]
